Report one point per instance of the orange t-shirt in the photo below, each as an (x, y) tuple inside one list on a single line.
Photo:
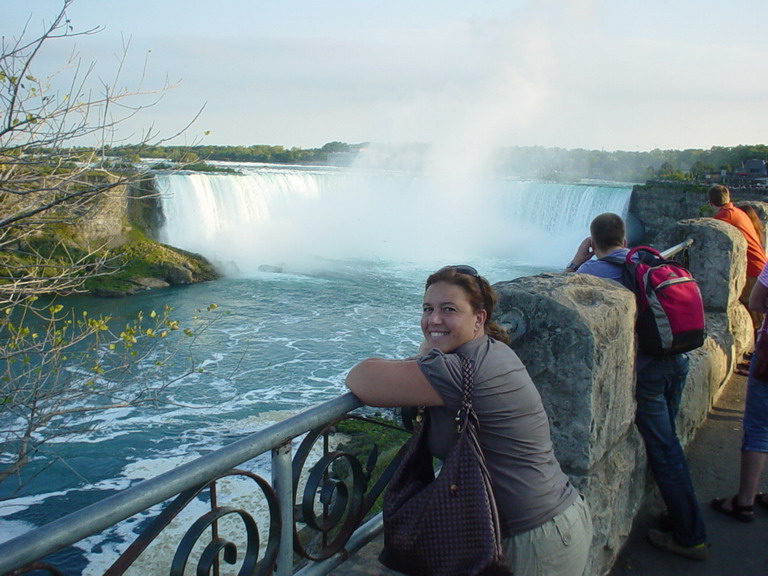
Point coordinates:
[(755, 253)]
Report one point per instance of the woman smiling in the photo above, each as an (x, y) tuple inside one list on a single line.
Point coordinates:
[(546, 525)]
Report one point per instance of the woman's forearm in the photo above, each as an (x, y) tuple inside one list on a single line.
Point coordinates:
[(389, 383)]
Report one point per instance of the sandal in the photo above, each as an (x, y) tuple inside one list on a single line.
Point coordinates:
[(743, 513), (762, 499)]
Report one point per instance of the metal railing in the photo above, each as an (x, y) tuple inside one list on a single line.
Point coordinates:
[(304, 535), (677, 248)]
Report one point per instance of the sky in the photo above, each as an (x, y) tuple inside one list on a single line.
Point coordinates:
[(600, 75)]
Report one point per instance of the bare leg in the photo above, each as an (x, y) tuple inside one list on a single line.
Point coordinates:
[(752, 464)]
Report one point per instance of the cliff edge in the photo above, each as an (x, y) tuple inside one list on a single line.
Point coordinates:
[(112, 233)]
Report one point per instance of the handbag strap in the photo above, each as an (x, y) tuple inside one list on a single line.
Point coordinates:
[(468, 379), (468, 386)]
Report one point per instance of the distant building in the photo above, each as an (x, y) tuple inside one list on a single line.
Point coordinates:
[(753, 174), (756, 168)]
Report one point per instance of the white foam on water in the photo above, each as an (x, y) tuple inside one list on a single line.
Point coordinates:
[(13, 528), (10, 529)]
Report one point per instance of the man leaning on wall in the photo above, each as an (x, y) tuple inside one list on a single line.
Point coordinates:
[(659, 387), (719, 198)]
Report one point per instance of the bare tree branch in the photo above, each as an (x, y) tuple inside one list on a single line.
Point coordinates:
[(58, 370)]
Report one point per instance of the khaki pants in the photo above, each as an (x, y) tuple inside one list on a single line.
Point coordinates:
[(559, 547)]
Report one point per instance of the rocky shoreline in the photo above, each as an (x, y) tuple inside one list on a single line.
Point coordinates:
[(177, 268), (110, 239)]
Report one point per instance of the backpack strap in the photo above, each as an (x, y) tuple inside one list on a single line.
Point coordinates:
[(614, 260), (645, 253), (627, 270)]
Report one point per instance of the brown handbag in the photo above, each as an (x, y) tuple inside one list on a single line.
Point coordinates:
[(446, 525)]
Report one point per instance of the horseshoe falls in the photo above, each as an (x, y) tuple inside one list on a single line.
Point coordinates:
[(298, 218)]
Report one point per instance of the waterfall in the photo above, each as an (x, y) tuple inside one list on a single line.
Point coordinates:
[(549, 216), (293, 216)]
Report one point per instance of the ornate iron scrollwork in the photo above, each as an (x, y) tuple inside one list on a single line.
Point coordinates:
[(212, 550), (210, 554), (341, 485), (217, 547), (337, 490)]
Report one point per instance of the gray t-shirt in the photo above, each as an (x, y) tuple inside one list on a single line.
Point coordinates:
[(529, 486)]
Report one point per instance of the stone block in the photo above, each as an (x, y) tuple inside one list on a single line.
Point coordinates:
[(706, 366), (615, 489), (657, 206), (575, 334), (718, 259)]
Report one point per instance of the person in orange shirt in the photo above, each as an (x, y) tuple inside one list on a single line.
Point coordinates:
[(719, 198)]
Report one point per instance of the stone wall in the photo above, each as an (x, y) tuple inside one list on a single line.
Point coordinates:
[(575, 335), (657, 206)]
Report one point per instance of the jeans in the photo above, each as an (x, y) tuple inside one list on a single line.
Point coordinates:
[(755, 424), (659, 389)]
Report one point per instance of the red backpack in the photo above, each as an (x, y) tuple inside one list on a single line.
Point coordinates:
[(670, 310)]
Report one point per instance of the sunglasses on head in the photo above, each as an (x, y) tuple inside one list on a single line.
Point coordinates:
[(464, 269), (470, 271)]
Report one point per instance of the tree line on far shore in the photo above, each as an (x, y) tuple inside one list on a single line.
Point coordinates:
[(515, 161), (256, 153)]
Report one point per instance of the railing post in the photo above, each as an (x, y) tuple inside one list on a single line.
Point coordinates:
[(282, 481)]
